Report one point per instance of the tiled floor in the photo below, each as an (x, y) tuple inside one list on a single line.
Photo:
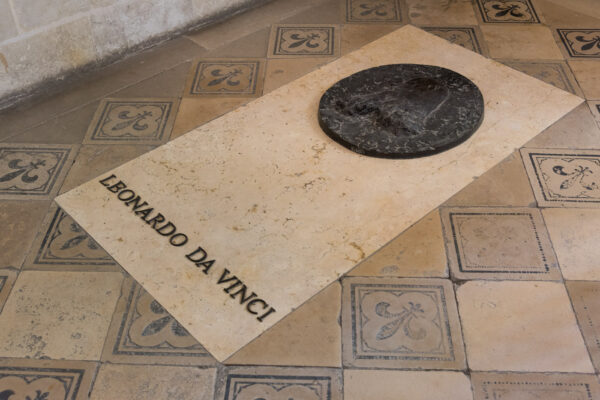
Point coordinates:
[(494, 295)]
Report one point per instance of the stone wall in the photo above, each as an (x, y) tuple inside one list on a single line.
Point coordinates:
[(45, 40)]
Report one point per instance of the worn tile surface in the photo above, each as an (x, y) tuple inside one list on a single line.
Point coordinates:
[(511, 386), (564, 178), (297, 40), (498, 243), (501, 11), (401, 324), (393, 385), (441, 13), (523, 42), (556, 73), (467, 37), (284, 70), (586, 72), (140, 382), (58, 314), (226, 77), (355, 36), (7, 280), (45, 379), (304, 191), (363, 11), (595, 107), (585, 297), (510, 326), (581, 43)]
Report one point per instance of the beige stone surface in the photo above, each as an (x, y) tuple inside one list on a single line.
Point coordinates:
[(585, 297), (8, 28), (141, 382), (595, 107), (289, 213), (574, 234), (284, 70), (309, 336), (355, 36), (394, 385), (21, 220), (511, 326), (587, 75), (441, 12), (525, 42), (58, 314), (416, 252)]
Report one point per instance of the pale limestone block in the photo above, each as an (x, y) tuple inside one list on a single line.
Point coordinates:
[(33, 14)]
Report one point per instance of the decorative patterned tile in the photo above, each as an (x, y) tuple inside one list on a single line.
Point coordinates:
[(585, 297), (304, 41), (271, 383), (45, 379), (143, 332), (498, 243), (7, 280), (581, 43), (400, 323), (564, 178), (33, 171), (137, 121), (511, 386), (362, 11), (466, 37), (556, 73), (507, 11), (226, 77), (63, 245)]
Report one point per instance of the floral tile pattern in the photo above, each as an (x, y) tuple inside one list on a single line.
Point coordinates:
[(226, 77), (561, 178), (281, 383), (45, 380), (581, 43), (303, 40), (556, 73), (498, 243), (33, 171), (507, 11), (136, 121), (466, 37), (63, 245), (143, 332), (362, 11), (400, 323)]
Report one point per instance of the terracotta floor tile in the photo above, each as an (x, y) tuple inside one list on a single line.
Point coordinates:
[(194, 112), (576, 130), (519, 11), (511, 386), (58, 314), (506, 184), (280, 383), (498, 243), (304, 40), (94, 160), (62, 244), (574, 234), (33, 172), (141, 382), (134, 120), (378, 12), (21, 220), (520, 326), (253, 45), (556, 73), (400, 324), (417, 252), (242, 77), (284, 70), (585, 297), (7, 280), (523, 42), (45, 379), (444, 13), (469, 37), (355, 36), (564, 178), (587, 75), (143, 332), (309, 336), (394, 385)]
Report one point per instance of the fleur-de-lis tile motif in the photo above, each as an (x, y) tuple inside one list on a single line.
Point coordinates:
[(30, 171), (141, 121), (66, 243), (142, 331), (564, 177), (581, 42), (507, 11), (465, 37), (401, 323), (373, 11), (226, 77), (308, 41), (278, 387), (554, 73)]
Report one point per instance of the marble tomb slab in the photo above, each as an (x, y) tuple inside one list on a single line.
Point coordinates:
[(268, 210)]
